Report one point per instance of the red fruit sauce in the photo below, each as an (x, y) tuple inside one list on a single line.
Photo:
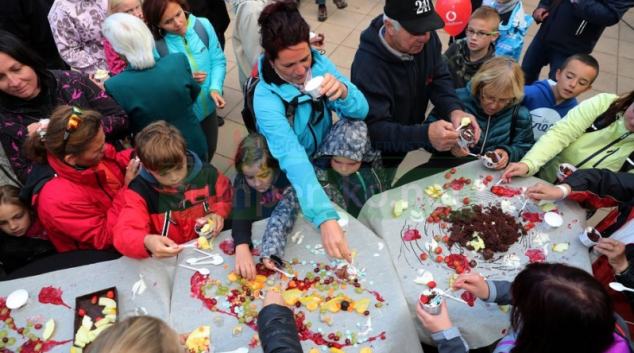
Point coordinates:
[(535, 255), (51, 295), (411, 234)]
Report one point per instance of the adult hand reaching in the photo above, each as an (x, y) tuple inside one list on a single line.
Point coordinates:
[(456, 119), (161, 247), (334, 240), (217, 98), (513, 170), (502, 163), (199, 76), (458, 151), (615, 252), (442, 135), (541, 191)]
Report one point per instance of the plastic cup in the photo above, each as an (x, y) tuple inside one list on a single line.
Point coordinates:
[(589, 237), (564, 170), (466, 138), (490, 159), (17, 299), (433, 306), (313, 86), (553, 219), (101, 76)]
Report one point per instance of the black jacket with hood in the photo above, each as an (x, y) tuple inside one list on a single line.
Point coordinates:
[(460, 67), (398, 92)]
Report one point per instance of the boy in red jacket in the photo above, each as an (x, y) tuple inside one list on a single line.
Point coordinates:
[(173, 190)]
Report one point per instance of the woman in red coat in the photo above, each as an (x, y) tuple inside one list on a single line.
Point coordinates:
[(80, 204)]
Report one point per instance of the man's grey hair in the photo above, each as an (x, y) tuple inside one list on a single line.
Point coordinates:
[(130, 37), (395, 24)]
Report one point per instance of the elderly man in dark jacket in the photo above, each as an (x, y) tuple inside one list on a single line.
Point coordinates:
[(569, 27), (399, 68)]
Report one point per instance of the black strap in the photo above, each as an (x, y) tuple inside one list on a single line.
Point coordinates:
[(161, 45), (516, 111)]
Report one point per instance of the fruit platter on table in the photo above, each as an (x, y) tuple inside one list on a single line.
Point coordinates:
[(464, 220)]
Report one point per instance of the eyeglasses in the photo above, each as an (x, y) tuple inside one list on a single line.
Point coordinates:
[(470, 32), (74, 121), (486, 99)]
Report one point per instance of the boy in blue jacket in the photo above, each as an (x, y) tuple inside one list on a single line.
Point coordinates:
[(550, 101)]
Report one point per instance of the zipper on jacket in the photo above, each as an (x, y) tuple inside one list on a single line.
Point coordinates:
[(607, 154), (486, 136), (102, 188), (603, 149), (191, 57), (365, 190), (378, 181), (314, 136)]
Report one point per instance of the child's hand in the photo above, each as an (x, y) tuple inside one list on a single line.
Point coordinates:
[(434, 323), (273, 297), (269, 264), (219, 223), (245, 266), (502, 163), (160, 246), (474, 283), (334, 241)]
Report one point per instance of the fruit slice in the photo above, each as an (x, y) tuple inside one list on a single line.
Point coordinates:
[(561, 247), (549, 207), (86, 322), (291, 296), (333, 305), (311, 302), (203, 243), (107, 302), (103, 322), (76, 350), (48, 329), (361, 305), (504, 308), (198, 341), (399, 206)]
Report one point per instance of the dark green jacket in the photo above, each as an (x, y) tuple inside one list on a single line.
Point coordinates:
[(167, 91), (496, 128)]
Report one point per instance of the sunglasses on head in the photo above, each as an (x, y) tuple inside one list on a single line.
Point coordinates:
[(74, 121)]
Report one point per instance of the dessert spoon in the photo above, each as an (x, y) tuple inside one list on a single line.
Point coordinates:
[(203, 271), (619, 287)]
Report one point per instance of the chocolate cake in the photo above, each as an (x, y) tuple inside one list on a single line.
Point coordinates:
[(594, 235), (493, 156), (498, 230)]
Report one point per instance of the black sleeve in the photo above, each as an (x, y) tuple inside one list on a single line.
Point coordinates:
[(600, 187), (277, 330), (627, 279), (243, 212), (443, 92)]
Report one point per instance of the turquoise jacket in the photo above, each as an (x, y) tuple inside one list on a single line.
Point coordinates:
[(496, 128), (210, 60), (295, 146)]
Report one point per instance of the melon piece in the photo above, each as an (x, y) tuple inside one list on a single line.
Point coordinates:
[(361, 305), (102, 322), (76, 350), (86, 322), (333, 305), (465, 121), (311, 302), (561, 247), (49, 327), (81, 337), (198, 341), (399, 206), (203, 243), (549, 207), (107, 302), (291, 296)]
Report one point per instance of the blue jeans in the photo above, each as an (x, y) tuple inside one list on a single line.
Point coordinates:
[(320, 2), (539, 55)]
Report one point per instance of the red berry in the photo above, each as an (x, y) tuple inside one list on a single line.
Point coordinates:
[(110, 294), (81, 312), (445, 186), (438, 250), (98, 319), (424, 299), (461, 179), (438, 258), (430, 220), (453, 170), (443, 226), (437, 237), (94, 299), (466, 201), (459, 270), (468, 181), (448, 176), (568, 173), (445, 238), (436, 220), (431, 284), (447, 259), (489, 178), (423, 256), (366, 313), (485, 182), (38, 326), (21, 330), (531, 224)]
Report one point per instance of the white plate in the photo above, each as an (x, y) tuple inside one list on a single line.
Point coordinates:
[(17, 299), (553, 219)]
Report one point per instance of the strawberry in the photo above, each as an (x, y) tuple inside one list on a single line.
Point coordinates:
[(485, 182), (94, 299), (489, 178), (568, 173), (436, 220), (423, 256), (439, 258), (459, 270), (424, 299), (453, 170), (81, 312), (468, 181), (110, 294), (438, 250), (466, 201), (431, 284), (447, 259), (445, 238), (456, 264), (98, 319), (445, 186), (443, 225), (430, 220), (437, 237), (448, 176)]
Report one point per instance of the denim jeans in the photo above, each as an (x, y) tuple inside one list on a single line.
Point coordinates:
[(539, 55)]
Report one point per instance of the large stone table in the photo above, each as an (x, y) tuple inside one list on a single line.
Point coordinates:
[(484, 323)]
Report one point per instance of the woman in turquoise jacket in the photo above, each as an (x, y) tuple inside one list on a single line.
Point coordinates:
[(170, 21), (286, 65)]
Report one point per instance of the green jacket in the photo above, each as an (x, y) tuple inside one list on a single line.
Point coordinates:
[(496, 128), (567, 141)]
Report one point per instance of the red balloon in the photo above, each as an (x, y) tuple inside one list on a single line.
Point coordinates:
[(455, 13)]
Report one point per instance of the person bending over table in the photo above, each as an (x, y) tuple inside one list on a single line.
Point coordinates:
[(593, 189), (493, 96), (116, 62), (399, 68), (555, 308), (287, 64), (29, 92), (79, 205), (574, 139), (147, 334)]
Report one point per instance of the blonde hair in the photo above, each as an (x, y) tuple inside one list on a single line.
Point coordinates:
[(113, 4), (160, 146), (487, 13), (137, 334), (500, 75)]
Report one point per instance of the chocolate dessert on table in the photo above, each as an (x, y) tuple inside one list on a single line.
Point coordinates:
[(493, 156), (467, 135), (594, 235)]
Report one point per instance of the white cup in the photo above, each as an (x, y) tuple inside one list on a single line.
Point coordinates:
[(313, 86), (101, 76), (487, 159), (432, 307), (466, 138), (563, 169), (585, 239)]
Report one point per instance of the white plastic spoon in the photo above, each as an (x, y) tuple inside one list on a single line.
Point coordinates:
[(203, 271), (194, 260), (190, 245), (284, 273), (239, 350), (215, 260), (619, 287), (444, 294)]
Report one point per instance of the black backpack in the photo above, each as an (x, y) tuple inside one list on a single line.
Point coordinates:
[(601, 122), (161, 45)]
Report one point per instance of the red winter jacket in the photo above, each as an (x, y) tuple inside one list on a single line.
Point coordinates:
[(77, 208), (151, 208)]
